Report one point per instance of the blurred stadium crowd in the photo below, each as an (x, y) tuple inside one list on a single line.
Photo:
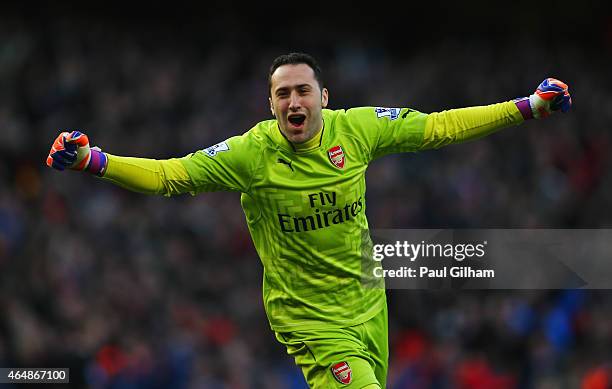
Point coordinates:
[(133, 291)]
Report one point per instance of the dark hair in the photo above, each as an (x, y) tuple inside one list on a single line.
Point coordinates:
[(295, 59)]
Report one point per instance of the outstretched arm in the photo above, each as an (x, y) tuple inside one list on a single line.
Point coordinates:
[(226, 166), (71, 150), (398, 130), (459, 125)]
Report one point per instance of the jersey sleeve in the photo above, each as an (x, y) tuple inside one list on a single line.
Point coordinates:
[(464, 124), (395, 130), (226, 166), (384, 131), (149, 176)]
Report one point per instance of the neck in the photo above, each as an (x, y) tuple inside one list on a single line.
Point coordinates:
[(310, 144)]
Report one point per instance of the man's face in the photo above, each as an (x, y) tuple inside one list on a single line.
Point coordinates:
[(296, 101)]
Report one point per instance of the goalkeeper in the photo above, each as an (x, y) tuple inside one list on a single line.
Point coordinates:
[(302, 180)]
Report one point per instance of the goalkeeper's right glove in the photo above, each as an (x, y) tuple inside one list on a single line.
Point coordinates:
[(71, 150)]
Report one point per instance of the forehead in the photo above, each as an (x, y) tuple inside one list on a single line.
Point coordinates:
[(295, 74)]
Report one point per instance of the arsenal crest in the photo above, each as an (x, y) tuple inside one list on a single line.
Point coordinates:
[(336, 156), (342, 372)]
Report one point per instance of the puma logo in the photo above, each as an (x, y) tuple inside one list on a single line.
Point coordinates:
[(280, 160)]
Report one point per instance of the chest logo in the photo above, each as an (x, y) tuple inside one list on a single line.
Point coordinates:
[(336, 156), (342, 373)]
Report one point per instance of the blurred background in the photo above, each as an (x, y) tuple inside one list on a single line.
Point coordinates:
[(134, 291)]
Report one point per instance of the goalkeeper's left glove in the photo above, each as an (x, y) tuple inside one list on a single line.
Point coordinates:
[(550, 96)]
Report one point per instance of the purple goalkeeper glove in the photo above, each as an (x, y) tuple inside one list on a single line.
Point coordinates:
[(71, 150), (550, 96)]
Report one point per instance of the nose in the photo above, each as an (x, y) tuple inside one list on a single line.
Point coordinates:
[(294, 101)]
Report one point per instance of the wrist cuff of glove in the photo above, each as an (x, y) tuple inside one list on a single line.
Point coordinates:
[(97, 163), (524, 107)]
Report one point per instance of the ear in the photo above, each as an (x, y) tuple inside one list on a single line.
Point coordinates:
[(271, 106), (324, 97)]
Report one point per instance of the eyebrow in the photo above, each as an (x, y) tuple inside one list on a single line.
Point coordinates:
[(286, 88)]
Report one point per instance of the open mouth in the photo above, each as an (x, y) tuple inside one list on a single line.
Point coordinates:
[(297, 119)]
